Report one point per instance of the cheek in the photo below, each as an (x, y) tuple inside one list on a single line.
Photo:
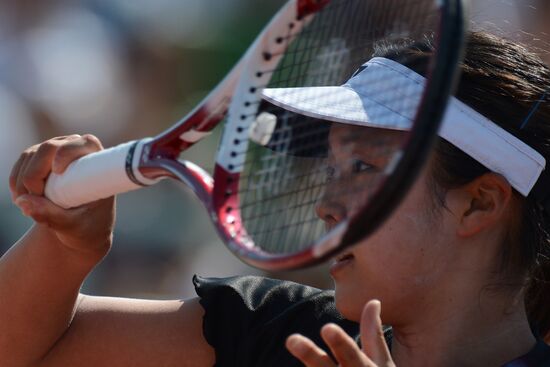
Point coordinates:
[(398, 264), (400, 253)]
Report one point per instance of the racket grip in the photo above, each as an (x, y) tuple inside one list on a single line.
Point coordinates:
[(96, 176)]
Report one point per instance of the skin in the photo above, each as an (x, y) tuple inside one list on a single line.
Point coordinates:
[(41, 275), (435, 295), (374, 352)]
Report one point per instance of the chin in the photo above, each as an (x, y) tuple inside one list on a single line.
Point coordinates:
[(348, 304)]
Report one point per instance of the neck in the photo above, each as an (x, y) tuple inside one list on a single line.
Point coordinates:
[(470, 331)]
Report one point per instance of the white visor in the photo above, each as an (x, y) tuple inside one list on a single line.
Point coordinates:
[(365, 101)]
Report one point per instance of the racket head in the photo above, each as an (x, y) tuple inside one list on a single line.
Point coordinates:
[(322, 140)]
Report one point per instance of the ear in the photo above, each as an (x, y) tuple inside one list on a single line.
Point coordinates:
[(481, 204)]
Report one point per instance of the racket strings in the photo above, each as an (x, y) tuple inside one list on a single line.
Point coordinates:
[(285, 181), (317, 48), (316, 139), (286, 224), (292, 193), (296, 208), (308, 140), (283, 195)]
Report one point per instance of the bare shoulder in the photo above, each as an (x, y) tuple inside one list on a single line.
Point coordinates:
[(108, 331)]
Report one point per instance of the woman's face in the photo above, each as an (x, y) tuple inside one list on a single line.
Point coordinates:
[(399, 263)]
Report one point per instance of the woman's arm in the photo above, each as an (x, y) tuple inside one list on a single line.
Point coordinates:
[(45, 322), (129, 332)]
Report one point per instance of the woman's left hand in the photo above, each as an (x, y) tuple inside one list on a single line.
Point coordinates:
[(374, 351)]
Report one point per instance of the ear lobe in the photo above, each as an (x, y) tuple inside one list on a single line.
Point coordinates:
[(488, 197)]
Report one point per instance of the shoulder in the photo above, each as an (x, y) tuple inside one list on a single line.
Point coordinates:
[(255, 315), (255, 292)]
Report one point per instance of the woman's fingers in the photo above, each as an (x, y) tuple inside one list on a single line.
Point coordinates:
[(38, 167), (30, 172), (42, 210), (307, 352), (344, 348), (372, 335), (375, 352), (16, 183), (15, 173), (73, 149)]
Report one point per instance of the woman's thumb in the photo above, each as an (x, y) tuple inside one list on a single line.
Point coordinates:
[(42, 210)]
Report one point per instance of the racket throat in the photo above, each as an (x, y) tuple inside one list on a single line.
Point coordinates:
[(308, 7)]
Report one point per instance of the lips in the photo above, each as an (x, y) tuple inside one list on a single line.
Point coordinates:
[(344, 257), (340, 262)]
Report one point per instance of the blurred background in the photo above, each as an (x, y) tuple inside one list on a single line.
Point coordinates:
[(126, 69)]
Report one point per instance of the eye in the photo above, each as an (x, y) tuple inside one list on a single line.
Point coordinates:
[(359, 166)]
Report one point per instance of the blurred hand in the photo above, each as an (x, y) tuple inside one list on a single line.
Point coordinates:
[(374, 352), (87, 228)]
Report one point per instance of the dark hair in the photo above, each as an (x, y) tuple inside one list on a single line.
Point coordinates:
[(503, 81)]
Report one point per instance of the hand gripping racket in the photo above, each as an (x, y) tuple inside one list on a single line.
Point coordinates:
[(327, 119)]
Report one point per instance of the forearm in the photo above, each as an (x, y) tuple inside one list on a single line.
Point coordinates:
[(39, 285)]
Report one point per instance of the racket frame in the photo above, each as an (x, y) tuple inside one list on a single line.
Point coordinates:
[(441, 83), (160, 155), (151, 159)]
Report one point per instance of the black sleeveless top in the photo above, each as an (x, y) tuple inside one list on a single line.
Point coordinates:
[(248, 318)]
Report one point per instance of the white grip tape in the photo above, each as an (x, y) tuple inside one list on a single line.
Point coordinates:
[(92, 177)]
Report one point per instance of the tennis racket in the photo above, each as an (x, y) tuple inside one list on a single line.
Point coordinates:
[(326, 125)]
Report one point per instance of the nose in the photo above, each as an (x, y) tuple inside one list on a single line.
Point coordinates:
[(330, 210)]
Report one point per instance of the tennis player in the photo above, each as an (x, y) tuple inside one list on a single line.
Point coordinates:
[(460, 270)]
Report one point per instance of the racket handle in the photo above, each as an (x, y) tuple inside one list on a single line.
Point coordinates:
[(97, 176)]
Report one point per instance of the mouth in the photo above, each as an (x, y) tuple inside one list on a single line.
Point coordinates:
[(344, 257), (340, 262)]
